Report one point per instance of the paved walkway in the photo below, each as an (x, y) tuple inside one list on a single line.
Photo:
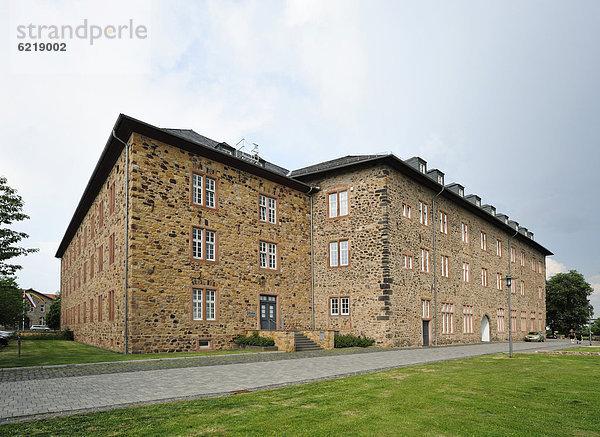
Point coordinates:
[(27, 394)]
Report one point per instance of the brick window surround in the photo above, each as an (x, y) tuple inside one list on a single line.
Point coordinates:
[(268, 258), (339, 254), (267, 208), (447, 318), (204, 304), (338, 203), (203, 190), (204, 245)]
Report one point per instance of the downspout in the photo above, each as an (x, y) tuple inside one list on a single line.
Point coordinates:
[(435, 311), (312, 266), (126, 330), (510, 339)]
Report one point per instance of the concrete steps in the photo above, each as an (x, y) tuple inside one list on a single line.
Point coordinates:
[(303, 343)]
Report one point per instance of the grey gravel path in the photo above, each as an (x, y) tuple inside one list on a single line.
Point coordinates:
[(56, 390)]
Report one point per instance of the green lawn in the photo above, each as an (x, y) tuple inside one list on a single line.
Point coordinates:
[(49, 352), (492, 395), (584, 349)]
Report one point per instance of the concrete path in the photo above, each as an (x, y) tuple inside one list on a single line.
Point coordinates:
[(29, 397)]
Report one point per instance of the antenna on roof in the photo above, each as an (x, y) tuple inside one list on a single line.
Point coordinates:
[(251, 156)]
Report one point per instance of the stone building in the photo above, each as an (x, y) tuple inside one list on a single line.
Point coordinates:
[(36, 313), (181, 243)]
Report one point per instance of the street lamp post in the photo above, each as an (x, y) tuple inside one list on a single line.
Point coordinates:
[(508, 285)]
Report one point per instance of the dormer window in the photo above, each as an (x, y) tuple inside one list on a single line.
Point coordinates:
[(461, 192), (478, 202), (421, 167), (440, 180)]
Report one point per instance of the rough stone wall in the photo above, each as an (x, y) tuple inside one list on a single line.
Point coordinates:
[(408, 236), (363, 280), (385, 297), (163, 273), (76, 292)]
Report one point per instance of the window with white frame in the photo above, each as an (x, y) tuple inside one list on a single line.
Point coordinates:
[(268, 255), (204, 303), (423, 213), (467, 319), (407, 261), (501, 326), (338, 253), (267, 209), (483, 241), (204, 244), (484, 277), (540, 268), (406, 210), (540, 293), (465, 272), (499, 281), (524, 321), (532, 322), (338, 204), (513, 320), (513, 287), (513, 255), (522, 288), (425, 308), (522, 258), (532, 264), (443, 222), (203, 190), (444, 261), (344, 306), (424, 260), (464, 232), (499, 248), (447, 318), (540, 322), (334, 306)]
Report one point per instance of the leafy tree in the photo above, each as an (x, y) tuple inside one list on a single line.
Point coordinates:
[(567, 301), (53, 316), (11, 210), (595, 328), (12, 307)]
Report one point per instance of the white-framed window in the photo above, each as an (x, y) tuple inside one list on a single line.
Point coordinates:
[(447, 318), (513, 320), (540, 293), (203, 190), (484, 277), (467, 319), (345, 306), (204, 244), (499, 281), (540, 268), (501, 325), (444, 261), (522, 288), (407, 261), (424, 260), (540, 322), (422, 167), (443, 222), (532, 264), (204, 303), (532, 322), (423, 213), (464, 232), (334, 306), (513, 287), (425, 308), (513, 255), (338, 204), (524, 321), (483, 241), (522, 258), (499, 248), (406, 210), (466, 276), (268, 255), (338, 253), (267, 209)]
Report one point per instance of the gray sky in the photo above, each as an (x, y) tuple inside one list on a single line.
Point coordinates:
[(503, 97)]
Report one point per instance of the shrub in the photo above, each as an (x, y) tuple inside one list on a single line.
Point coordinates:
[(350, 340), (42, 337), (254, 340), (68, 335)]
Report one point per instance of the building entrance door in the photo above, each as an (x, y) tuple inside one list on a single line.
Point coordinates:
[(485, 329), (425, 332), (268, 312)]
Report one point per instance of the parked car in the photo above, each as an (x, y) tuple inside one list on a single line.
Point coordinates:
[(535, 336), (4, 337), (39, 328)]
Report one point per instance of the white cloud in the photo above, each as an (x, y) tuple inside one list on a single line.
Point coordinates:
[(553, 267)]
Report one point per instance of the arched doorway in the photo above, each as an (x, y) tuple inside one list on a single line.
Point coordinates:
[(485, 329)]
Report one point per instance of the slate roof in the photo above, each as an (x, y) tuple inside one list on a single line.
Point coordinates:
[(344, 161)]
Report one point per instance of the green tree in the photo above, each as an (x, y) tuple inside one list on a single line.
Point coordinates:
[(53, 316), (567, 301), (12, 307), (11, 210)]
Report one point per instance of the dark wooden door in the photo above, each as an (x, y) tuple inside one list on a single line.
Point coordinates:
[(425, 332), (268, 312)]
